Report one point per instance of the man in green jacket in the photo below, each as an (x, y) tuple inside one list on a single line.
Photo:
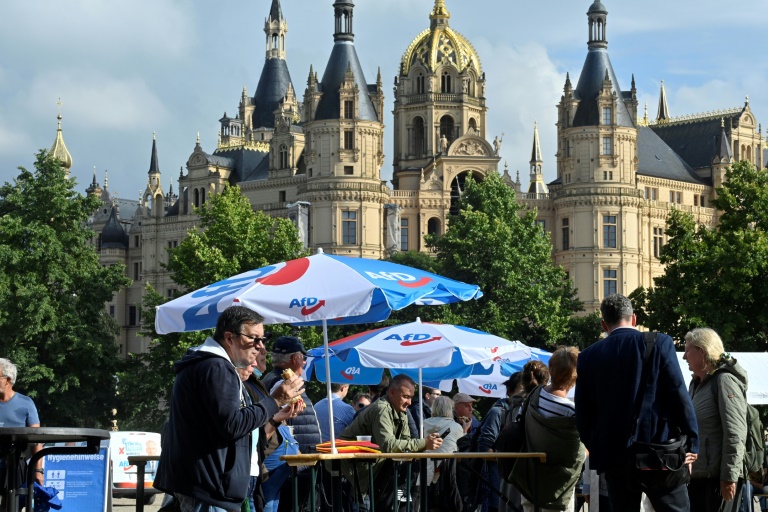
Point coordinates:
[(386, 422)]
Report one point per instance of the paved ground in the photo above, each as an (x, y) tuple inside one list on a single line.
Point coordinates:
[(129, 505)]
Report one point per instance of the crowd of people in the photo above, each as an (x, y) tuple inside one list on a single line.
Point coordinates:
[(231, 420)]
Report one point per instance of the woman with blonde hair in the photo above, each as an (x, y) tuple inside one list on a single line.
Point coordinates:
[(718, 391)]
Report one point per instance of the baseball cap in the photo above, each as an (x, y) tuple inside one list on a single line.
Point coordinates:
[(288, 345), (459, 398)]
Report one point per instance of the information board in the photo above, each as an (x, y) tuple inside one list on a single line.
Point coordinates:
[(80, 479)]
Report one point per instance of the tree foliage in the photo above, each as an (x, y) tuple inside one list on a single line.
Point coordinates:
[(494, 244), (52, 295), (716, 277), (232, 239)]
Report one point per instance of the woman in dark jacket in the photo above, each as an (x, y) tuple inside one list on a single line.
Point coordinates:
[(550, 427), (718, 391)]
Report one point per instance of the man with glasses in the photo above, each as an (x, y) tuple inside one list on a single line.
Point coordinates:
[(206, 458)]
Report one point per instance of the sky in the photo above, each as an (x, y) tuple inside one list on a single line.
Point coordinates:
[(126, 69)]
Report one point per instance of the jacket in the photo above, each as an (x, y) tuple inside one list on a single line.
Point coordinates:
[(559, 439), (207, 452), (388, 428), (609, 378), (722, 416), (306, 428), (491, 425)]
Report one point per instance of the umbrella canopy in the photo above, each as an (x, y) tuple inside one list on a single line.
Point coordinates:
[(442, 351), (487, 379), (309, 291)]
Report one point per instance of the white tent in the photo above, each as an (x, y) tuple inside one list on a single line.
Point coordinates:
[(756, 365)]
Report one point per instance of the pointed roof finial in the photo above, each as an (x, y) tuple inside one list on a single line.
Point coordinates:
[(198, 137), (59, 149), (154, 165), (536, 157), (440, 11), (106, 179), (663, 112), (746, 100)]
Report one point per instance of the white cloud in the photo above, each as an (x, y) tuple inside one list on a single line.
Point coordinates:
[(100, 101)]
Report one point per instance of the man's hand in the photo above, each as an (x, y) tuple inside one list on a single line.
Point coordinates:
[(466, 423), (727, 490), (287, 390), (39, 477), (434, 441), (289, 411), (689, 459)]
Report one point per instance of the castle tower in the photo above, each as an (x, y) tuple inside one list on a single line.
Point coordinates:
[(596, 234), (439, 127), (344, 150)]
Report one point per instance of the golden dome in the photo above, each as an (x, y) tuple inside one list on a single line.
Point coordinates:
[(439, 46), (59, 149)]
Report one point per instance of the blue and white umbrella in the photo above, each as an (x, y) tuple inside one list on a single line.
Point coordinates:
[(427, 352), (317, 290)]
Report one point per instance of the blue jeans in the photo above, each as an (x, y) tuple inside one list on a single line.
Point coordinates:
[(189, 504), (274, 484)]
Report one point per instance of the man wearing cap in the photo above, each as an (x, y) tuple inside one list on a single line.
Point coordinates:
[(462, 410), (288, 352)]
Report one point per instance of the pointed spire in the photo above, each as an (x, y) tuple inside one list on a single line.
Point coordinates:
[(59, 149), (536, 152), (198, 139), (724, 153), (154, 166), (663, 112), (275, 12)]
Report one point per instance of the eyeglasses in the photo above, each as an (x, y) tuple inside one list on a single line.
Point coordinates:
[(254, 339), (360, 405)]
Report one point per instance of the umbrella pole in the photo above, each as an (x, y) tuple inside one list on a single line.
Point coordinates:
[(328, 385), (421, 408)]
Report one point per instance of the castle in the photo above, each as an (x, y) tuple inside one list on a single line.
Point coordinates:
[(317, 160)]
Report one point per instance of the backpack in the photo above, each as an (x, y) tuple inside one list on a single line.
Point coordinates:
[(511, 437), (754, 449)]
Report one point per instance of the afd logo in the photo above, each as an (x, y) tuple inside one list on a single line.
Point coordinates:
[(409, 340), (488, 388), (308, 305), (402, 279), (350, 372)]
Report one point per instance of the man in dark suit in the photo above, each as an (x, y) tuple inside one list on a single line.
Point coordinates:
[(609, 382)]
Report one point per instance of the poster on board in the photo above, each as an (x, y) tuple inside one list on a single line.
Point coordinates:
[(80, 479)]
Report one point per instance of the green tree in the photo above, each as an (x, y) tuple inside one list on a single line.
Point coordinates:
[(716, 277), (494, 244), (52, 295), (232, 239)]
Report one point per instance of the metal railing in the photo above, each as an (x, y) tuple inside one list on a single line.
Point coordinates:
[(311, 460)]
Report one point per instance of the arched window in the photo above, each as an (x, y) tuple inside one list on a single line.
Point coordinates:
[(202, 196), (420, 84), (446, 128), (419, 144), (197, 198), (457, 189), (473, 127), (274, 42), (748, 154), (446, 82), (283, 156), (433, 226)]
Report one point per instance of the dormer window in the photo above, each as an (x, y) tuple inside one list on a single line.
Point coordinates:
[(283, 156), (420, 84), (607, 116), (349, 109)]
